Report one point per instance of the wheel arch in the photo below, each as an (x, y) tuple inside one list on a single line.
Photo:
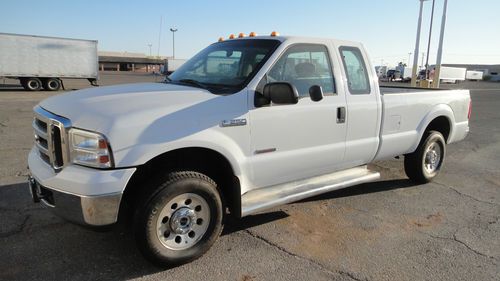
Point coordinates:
[(441, 119), (200, 159)]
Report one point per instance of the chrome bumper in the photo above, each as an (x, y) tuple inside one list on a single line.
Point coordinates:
[(86, 210)]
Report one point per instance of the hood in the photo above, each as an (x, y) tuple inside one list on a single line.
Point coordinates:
[(97, 109)]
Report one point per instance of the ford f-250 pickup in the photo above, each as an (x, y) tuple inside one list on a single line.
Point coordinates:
[(245, 125)]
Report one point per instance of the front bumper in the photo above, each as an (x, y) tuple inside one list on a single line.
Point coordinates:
[(82, 195)]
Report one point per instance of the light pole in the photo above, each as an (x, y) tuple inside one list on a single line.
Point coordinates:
[(417, 43), (173, 41), (440, 48), (159, 37), (409, 57), (150, 45)]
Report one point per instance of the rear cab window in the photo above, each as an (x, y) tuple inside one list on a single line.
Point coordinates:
[(355, 69)]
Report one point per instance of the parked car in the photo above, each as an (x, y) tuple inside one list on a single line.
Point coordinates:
[(245, 125), (393, 75)]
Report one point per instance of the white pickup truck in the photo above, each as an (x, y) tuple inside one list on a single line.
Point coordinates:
[(245, 125)]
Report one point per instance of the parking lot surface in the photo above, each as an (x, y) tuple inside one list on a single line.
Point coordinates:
[(387, 230)]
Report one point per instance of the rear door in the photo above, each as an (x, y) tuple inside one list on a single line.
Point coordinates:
[(296, 141), (363, 105)]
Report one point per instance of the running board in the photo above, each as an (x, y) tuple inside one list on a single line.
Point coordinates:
[(268, 197)]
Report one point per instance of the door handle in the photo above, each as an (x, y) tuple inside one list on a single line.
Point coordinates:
[(341, 114)]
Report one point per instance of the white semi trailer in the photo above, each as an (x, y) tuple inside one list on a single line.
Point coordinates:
[(452, 74), (474, 75), (41, 62)]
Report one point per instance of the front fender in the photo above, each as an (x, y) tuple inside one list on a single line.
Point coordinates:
[(214, 139)]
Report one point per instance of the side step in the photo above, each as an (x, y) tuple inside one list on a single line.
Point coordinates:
[(268, 197)]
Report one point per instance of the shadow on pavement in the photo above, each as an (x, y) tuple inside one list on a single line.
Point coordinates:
[(36, 243)]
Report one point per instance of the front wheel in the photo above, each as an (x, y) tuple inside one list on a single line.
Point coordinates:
[(423, 165), (181, 220)]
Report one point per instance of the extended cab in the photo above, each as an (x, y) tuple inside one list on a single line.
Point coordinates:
[(245, 125)]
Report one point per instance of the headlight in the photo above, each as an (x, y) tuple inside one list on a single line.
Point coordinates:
[(89, 149)]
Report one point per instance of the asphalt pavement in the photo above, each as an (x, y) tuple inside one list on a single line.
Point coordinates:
[(391, 229)]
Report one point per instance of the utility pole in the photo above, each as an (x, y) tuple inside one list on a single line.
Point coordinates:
[(409, 57), (423, 58), (440, 48), (150, 45), (417, 43), (429, 42), (173, 41)]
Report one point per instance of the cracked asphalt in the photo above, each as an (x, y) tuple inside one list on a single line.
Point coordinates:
[(386, 230)]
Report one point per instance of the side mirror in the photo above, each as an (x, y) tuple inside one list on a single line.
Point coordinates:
[(281, 93), (316, 93)]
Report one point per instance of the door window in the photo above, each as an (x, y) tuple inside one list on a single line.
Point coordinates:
[(304, 66), (355, 68)]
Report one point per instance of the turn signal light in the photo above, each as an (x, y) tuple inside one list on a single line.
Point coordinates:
[(275, 33)]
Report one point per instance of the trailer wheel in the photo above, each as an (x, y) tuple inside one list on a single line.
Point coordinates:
[(52, 84), (423, 165), (32, 84), (180, 220)]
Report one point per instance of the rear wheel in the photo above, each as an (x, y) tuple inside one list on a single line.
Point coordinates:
[(181, 220), (32, 84), (52, 84), (425, 163)]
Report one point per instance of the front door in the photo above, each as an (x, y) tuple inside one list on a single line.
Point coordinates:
[(297, 141)]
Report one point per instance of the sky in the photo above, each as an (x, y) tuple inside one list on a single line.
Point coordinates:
[(387, 28)]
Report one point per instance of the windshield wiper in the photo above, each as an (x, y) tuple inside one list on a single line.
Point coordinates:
[(193, 83)]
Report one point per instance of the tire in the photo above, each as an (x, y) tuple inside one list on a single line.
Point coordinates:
[(423, 165), (52, 84), (181, 220), (32, 84)]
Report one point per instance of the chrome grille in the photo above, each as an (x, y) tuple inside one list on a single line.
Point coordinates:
[(51, 135)]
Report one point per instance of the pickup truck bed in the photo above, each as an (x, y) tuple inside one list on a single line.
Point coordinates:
[(407, 111)]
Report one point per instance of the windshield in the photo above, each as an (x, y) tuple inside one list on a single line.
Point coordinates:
[(225, 67)]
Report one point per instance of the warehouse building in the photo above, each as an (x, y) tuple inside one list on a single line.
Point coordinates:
[(125, 61)]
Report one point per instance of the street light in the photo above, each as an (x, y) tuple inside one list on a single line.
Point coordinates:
[(150, 45), (173, 41)]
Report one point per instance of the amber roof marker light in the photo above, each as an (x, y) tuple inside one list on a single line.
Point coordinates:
[(252, 34), (275, 33), (231, 36), (241, 35)]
